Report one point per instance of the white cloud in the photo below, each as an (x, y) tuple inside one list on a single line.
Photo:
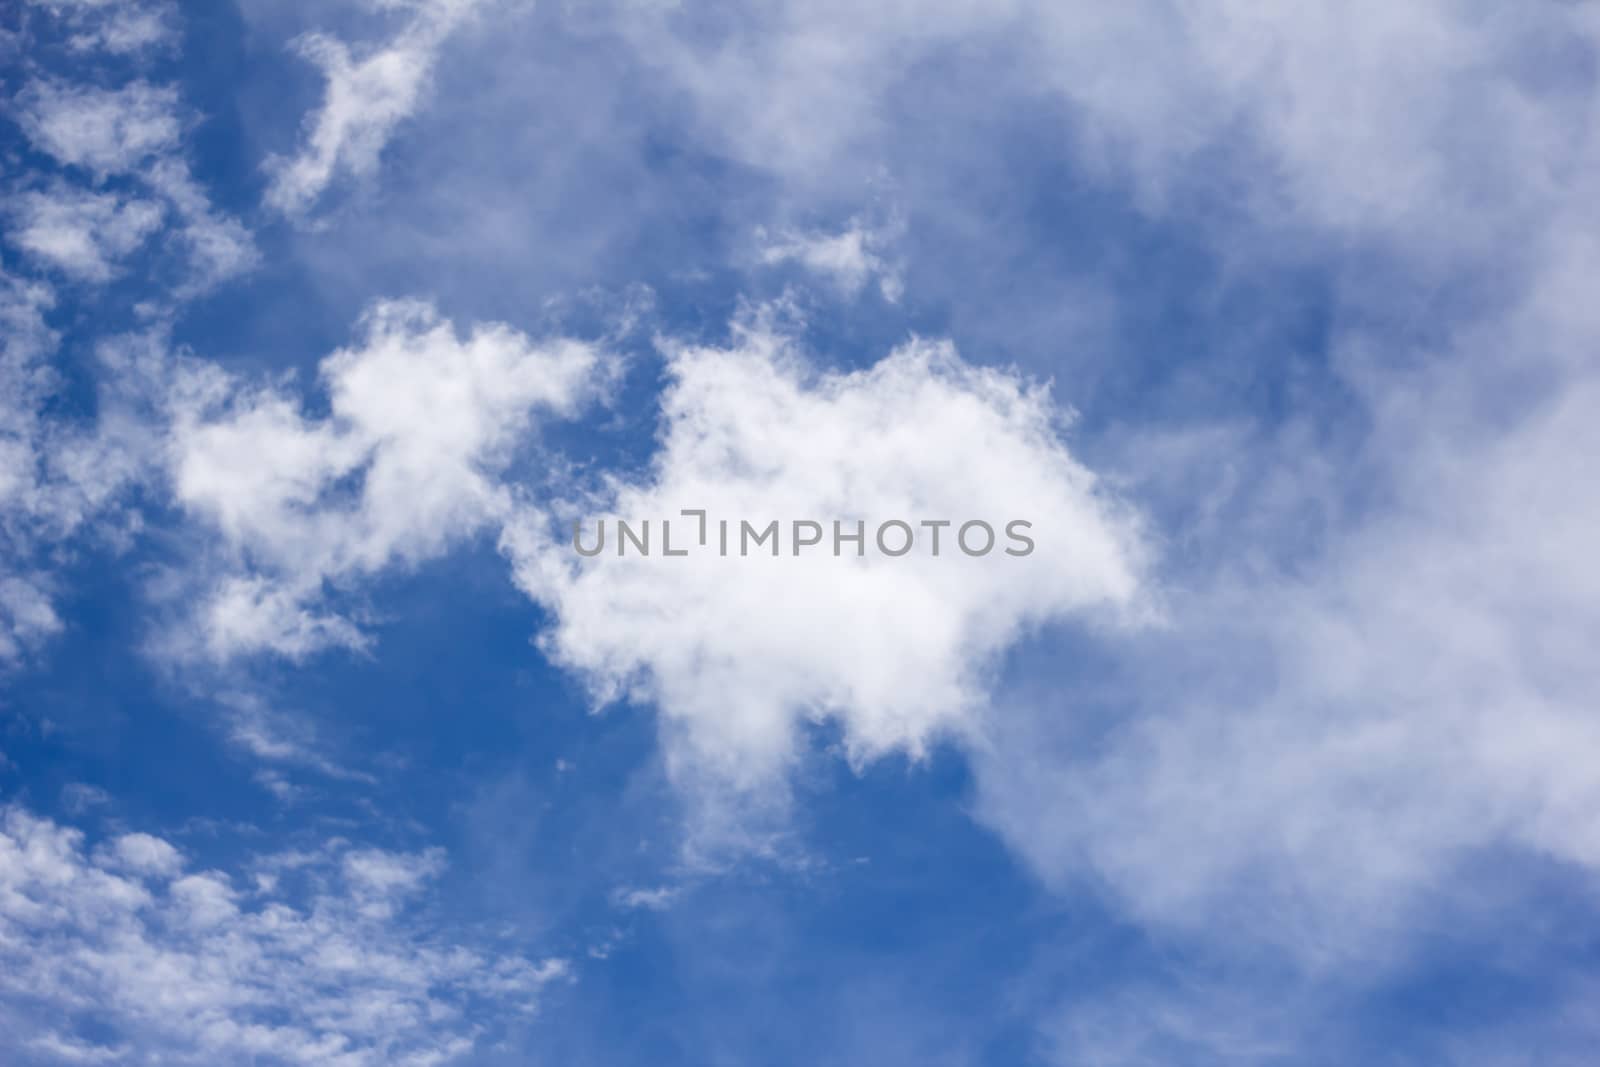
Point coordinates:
[(54, 475), (81, 233), (26, 614), (366, 97), (1430, 698), (804, 91), (121, 27), (1300, 752), (55, 1048), (218, 246), (849, 259), (1309, 754), (197, 969), (133, 131), (279, 740), (105, 131), (1313, 749), (422, 421), (142, 854), (737, 652), (124, 186), (378, 879), (659, 898)]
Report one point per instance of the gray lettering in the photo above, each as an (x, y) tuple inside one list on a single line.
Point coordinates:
[(961, 537), (745, 530), (816, 540), (625, 534), (910, 537), (600, 544), (666, 540), (859, 537), (701, 512), (1023, 538)]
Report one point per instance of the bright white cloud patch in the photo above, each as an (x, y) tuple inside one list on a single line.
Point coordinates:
[(365, 98), (421, 423), (737, 650), (81, 233), (134, 131), (126, 953), (104, 131), (142, 854)]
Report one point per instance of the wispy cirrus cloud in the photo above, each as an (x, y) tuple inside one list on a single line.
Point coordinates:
[(368, 93)]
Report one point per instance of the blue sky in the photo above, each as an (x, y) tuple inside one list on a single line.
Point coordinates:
[(323, 323)]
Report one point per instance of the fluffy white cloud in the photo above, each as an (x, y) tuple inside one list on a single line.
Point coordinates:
[(319, 958), (105, 131), (407, 463), (1312, 754), (142, 854), (737, 651), (1427, 685), (134, 131), (81, 233), (365, 98)]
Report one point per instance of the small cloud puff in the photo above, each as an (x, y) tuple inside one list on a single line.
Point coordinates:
[(848, 260)]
